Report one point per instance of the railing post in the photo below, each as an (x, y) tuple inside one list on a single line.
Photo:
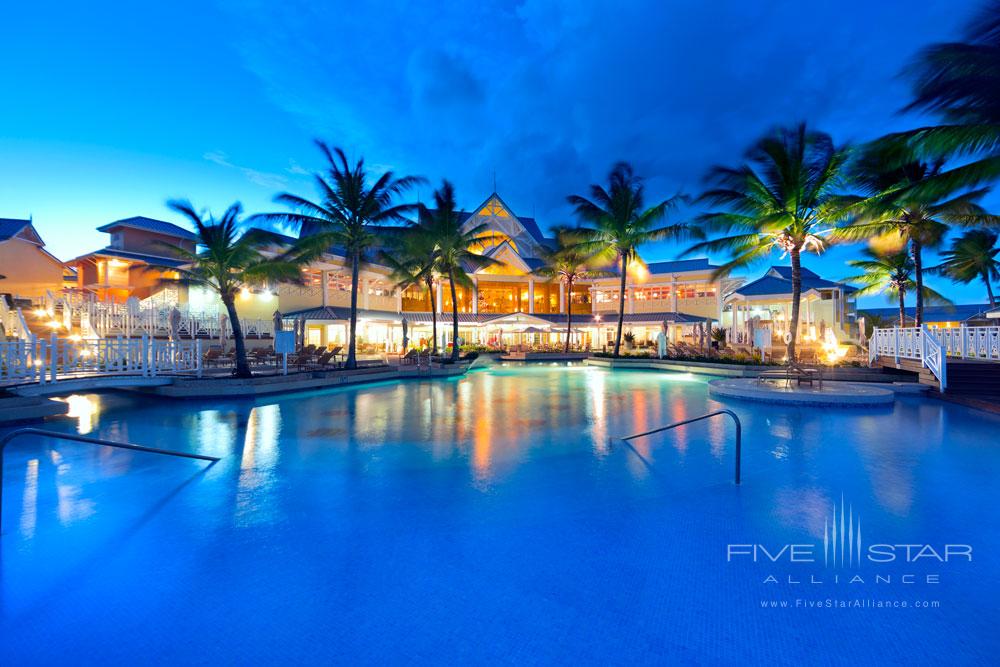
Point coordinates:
[(895, 346), (197, 356)]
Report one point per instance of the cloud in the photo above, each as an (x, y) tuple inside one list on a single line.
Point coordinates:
[(548, 94), (264, 179)]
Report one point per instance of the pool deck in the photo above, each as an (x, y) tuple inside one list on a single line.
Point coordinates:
[(32, 402), (832, 394)]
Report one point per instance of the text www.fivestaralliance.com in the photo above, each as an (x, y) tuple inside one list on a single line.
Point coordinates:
[(850, 603)]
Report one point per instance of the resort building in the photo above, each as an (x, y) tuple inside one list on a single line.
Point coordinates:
[(28, 269), (121, 269), (941, 317), (508, 304), (757, 314)]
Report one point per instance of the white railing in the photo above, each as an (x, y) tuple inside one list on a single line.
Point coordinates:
[(13, 322), (48, 360), (981, 343), (918, 343)]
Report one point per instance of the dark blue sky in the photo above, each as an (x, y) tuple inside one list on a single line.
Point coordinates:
[(112, 108)]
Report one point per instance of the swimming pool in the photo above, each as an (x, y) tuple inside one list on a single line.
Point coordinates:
[(495, 518)]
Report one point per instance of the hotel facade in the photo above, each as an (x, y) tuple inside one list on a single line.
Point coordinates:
[(508, 306)]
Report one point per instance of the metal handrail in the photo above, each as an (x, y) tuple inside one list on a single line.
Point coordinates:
[(736, 420), (5, 440)]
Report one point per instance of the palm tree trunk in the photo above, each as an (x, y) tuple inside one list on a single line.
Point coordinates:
[(989, 289), (434, 317), (793, 327), (352, 354), (242, 365), (902, 306), (918, 278), (454, 317), (621, 308), (569, 312)]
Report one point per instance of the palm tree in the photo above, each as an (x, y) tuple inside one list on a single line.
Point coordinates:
[(959, 81), (891, 274), (782, 199), (568, 261), (973, 256), (351, 203), (894, 202), (412, 256), (453, 248), (227, 262), (615, 222)]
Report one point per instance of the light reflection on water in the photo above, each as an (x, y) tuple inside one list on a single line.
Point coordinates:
[(462, 497)]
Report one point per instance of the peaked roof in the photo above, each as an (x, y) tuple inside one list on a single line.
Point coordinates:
[(681, 265), (529, 224), (158, 260), (10, 227), (150, 225), (778, 280)]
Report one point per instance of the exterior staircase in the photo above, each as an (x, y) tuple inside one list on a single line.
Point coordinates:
[(975, 379)]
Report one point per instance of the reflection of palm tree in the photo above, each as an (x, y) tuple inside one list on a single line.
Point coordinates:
[(349, 206), (890, 274), (616, 222), (569, 262), (973, 256), (782, 199)]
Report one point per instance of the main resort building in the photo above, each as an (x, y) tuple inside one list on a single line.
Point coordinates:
[(509, 304)]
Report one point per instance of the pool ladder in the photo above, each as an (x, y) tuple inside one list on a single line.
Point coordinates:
[(5, 440), (736, 420)]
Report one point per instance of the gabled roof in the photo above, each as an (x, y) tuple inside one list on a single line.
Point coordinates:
[(778, 280), (11, 227), (529, 224), (158, 260), (680, 266), (150, 225)]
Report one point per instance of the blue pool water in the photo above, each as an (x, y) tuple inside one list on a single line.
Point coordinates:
[(494, 518)]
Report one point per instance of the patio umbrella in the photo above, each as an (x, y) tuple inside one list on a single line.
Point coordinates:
[(406, 331), (174, 323), (223, 321)]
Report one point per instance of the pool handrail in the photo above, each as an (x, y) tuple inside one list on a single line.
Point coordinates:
[(5, 440), (736, 420)]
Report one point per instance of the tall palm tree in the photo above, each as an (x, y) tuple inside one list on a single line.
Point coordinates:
[(891, 274), (569, 262), (782, 199), (616, 222), (893, 201), (350, 204), (412, 256), (973, 256), (226, 262), (454, 248)]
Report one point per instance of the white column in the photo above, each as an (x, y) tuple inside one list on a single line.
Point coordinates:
[(326, 288), (475, 295), (399, 300), (363, 286), (673, 296), (562, 297), (531, 296), (629, 300), (437, 304)]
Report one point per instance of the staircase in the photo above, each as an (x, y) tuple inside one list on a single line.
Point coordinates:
[(974, 379)]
